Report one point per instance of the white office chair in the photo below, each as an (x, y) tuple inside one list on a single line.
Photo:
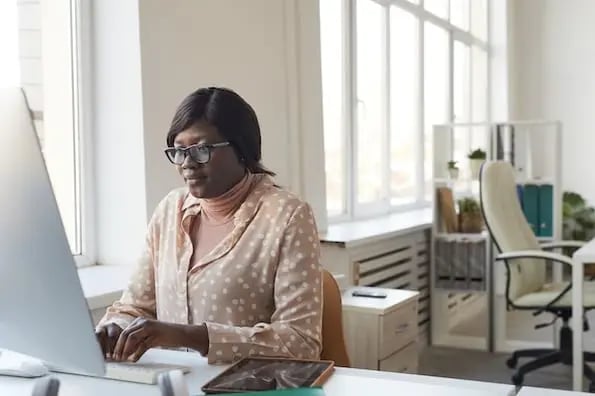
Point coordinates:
[(525, 259)]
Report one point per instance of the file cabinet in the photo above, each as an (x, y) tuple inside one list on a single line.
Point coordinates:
[(381, 333)]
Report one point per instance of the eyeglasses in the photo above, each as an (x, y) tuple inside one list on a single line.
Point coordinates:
[(199, 153)]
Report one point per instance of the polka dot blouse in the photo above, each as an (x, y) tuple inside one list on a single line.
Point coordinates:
[(259, 291)]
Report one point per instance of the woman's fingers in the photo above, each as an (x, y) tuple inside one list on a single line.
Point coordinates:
[(134, 341), (141, 348), (123, 338), (101, 335), (113, 333)]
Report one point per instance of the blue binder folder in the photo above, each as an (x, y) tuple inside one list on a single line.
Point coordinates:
[(531, 206), (546, 210), (519, 192)]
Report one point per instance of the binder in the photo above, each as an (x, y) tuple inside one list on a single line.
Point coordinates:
[(546, 210), (519, 193), (531, 206)]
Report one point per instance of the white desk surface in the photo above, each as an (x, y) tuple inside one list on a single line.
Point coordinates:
[(586, 253), (531, 391), (582, 256), (343, 382)]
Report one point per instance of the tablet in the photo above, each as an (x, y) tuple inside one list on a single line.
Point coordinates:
[(263, 373)]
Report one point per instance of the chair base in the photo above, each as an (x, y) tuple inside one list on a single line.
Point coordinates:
[(548, 357)]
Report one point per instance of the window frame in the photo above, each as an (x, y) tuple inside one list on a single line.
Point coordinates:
[(352, 209), (81, 50), (72, 19)]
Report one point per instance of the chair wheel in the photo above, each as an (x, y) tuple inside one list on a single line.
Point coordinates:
[(517, 379), (511, 362)]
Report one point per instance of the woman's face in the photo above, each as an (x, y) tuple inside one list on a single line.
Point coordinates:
[(215, 177)]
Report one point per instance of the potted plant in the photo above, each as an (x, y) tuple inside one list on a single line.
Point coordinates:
[(578, 223), (476, 158), (470, 219), (453, 169)]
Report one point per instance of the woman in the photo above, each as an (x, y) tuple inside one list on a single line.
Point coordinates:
[(231, 266)]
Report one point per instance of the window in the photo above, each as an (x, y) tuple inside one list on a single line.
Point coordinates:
[(392, 69), (43, 56)]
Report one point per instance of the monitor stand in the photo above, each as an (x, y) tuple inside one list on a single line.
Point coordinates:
[(17, 365)]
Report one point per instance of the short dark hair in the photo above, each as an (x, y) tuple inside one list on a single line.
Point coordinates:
[(233, 117)]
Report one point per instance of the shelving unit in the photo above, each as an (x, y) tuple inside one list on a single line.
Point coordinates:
[(471, 313)]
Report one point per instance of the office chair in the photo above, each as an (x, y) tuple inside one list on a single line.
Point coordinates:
[(525, 260), (333, 341)]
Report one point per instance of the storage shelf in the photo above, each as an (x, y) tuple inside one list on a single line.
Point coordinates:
[(447, 181), (538, 181), (459, 236), (459, 279), (546, 239)]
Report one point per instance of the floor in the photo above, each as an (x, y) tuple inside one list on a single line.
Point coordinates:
[(485, 366)]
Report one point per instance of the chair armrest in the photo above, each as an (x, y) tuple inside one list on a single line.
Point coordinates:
[(562, 244), (540, 254)]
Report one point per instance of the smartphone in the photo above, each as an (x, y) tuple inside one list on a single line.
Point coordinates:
[(369, 293)]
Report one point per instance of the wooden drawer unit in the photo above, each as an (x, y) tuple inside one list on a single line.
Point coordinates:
[(397, 329), (381, 333), (403, 361)]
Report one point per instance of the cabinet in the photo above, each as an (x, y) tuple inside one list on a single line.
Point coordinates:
[(381, 333), (386, 261)]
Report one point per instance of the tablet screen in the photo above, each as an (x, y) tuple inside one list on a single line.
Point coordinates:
[(254, 374)]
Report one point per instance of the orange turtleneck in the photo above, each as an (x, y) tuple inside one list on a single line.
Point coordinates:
[(215, 220)]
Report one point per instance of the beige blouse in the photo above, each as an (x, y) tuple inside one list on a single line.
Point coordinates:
[(259, 291)]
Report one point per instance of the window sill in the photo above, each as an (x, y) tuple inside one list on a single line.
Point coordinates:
[(103, 284), (355, 233)]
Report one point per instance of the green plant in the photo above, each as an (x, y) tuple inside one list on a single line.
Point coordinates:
[(468, 205), (578, 219), (452, 165), (477, 154)]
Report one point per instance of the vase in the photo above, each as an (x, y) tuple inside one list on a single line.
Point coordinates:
[(470, 222), (453, 173), (475, 166)]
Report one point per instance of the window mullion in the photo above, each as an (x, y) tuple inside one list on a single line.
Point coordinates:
[(386, 154), (351, 156), (420, 176)]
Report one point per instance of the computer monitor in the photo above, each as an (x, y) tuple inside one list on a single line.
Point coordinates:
[(43, 312)]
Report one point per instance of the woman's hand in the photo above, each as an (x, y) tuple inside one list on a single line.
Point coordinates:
[(143, 334), (108, 337)]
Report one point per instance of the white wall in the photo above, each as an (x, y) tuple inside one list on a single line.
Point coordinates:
[(252, 47), (553, 75), (266, 50), (118, 134)]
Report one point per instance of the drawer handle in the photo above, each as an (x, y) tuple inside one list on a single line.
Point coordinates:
[(401, 328)]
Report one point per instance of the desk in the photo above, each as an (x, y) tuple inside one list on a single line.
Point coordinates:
[(530, 391), (585, 254), (344, 381)]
